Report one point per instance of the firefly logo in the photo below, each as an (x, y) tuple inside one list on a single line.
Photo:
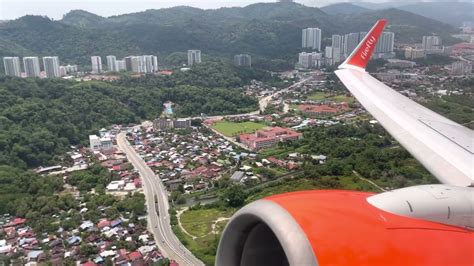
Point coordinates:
[(368, 46)]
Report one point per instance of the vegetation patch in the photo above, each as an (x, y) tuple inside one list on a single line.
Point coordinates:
[(232, 129), (200, 222)]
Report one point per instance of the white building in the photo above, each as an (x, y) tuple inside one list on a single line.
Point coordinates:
[(32, 66), (71, 69), (121, 66), (431, 43), (350, 42), (337, 41), (385, 43), (332, 55), (62, 71), (112, 63), (150, 64), (461, 68), (96, 64), (96, 143), (414, 53), (311, 38), (310, 60), (243, 60), (51, 66), (12, 66), (194, 57)]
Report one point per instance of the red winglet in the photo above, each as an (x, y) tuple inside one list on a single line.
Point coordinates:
[(363, 52)]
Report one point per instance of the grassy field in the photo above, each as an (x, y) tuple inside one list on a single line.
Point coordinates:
[(319, 96), (199, 222), (231, 129)]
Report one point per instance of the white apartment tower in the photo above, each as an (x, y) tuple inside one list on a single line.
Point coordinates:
[(112, 63), (337, 41), (431, 43), (96, 64), (311, 38), (32, 66), (12, 66), (194, 57), (51, 66), (310, 60), (351, 40), (385, 43), (243, 60), (150, 63)]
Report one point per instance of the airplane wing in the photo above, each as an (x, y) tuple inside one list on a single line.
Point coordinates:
[(444, 147)]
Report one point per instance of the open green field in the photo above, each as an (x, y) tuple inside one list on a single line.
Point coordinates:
[(320, 96), (199, 222), (232, 129)]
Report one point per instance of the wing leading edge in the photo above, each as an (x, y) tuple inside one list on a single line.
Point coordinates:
[(444, 147)]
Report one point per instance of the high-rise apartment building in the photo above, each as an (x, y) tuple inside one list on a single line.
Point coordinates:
[(121, 66), (62, 71), (71, 69), (112, 63), (32, 66), (133, 64), (431, 43), (311, 38), (243, 60), (194, 57), (12, 66), (150, 64), (385, 43), (51, 66), (337, 41), (96, 64), (310, 60), (332, 55), (350, 42)]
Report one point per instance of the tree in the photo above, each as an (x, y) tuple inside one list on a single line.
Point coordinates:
[(234, 196)]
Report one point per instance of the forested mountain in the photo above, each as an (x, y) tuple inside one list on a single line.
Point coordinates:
[(266, 30), (344, 8), (453, 13), (41, 118)]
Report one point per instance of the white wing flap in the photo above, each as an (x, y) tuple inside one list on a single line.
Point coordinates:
[(444, 147)]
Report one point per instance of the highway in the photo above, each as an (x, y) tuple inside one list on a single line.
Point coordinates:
[(158, 217), (157, 199)]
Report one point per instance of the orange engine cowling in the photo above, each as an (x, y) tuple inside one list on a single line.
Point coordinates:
[(331, 227)]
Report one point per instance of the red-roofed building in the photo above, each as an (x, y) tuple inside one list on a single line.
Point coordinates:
[(103, 223), (268, 137), (133, 256), (89, 263)]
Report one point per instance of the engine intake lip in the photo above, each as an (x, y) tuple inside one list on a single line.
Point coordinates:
[(254, 219)]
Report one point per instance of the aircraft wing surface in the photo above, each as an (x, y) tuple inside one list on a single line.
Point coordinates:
[(444, 147)]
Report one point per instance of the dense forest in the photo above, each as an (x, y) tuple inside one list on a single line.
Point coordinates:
[(270, 32), (40, 119)]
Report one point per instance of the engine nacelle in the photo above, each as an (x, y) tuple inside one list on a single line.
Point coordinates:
[(324, 227)]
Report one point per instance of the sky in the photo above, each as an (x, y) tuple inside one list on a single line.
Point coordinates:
[(11, 9)]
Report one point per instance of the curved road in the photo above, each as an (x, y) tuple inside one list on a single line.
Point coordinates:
[(158, 217)]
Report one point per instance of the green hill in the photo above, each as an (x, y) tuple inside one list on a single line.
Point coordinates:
[(266, 30)]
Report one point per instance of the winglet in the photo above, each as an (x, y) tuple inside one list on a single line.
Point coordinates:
[(363, 52)]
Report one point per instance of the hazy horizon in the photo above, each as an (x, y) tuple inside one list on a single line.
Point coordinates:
[(55, 9)]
